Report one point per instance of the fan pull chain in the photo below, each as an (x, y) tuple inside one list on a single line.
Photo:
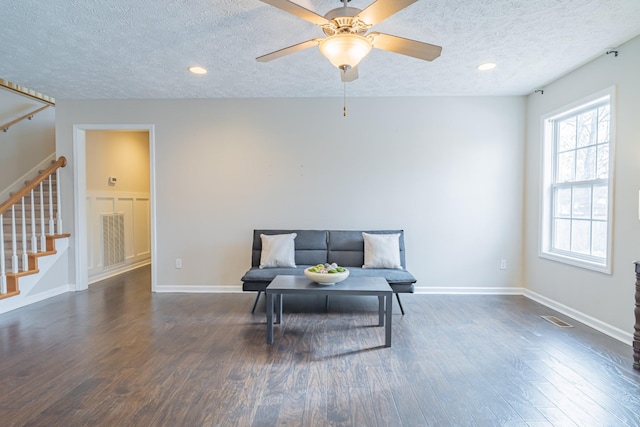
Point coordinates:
[(344, 109)]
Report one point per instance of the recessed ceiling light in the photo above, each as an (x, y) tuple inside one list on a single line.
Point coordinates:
[(198, 70), (487, 66)]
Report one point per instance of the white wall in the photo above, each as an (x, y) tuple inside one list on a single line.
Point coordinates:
[(447, 170), (25, 145), (605, 298)]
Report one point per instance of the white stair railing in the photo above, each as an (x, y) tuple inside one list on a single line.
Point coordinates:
[(25, 256), (58, 204), (51, 221), (14, 243), (43, 230), (3, 275), (33, 227)]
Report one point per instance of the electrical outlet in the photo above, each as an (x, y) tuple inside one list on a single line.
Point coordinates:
[(178, 263), (503, 264)]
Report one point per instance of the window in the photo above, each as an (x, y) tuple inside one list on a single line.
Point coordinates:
[(576, 183)]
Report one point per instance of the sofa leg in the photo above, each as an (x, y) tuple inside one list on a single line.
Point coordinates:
[(399, 303), (256, 302)]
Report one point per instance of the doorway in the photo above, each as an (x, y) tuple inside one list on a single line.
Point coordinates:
[(100, 192)]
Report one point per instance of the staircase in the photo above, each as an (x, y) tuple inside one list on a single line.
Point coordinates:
[(31, 224)]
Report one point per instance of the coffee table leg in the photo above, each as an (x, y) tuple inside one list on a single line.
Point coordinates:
[(279, 309), (381, 310), (269, 318), (387, 326)]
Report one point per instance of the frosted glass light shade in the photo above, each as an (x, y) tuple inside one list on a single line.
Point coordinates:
[(345, 49)]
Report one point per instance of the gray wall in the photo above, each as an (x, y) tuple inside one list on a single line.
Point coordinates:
[(607, 298), (448, 170)]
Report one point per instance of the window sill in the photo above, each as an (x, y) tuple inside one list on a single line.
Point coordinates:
[(577, 262)]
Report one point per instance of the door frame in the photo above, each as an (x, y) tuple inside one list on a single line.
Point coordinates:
[(80, 197)]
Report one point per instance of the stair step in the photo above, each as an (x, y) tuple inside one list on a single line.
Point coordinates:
[(10, 294)]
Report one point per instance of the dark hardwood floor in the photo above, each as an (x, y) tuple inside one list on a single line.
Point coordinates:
[(117, 355)]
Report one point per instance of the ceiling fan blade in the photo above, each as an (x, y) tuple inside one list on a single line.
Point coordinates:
[(297, 10), (403, 46), (382, 9), (288, 50), (349, 75)]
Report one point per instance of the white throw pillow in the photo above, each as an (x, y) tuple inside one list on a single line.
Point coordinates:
[(381, 250), (278, 250)]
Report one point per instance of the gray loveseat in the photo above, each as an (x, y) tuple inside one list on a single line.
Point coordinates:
[(344, 247)]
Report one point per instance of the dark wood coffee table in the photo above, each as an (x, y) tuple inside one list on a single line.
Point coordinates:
[(377, 286)]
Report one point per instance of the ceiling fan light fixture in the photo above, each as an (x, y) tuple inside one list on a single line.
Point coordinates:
[(197, 69), (486, 66), (345, 51)]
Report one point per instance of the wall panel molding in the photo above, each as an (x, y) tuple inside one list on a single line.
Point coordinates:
[(137, 231)]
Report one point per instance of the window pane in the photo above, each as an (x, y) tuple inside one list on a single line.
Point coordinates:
[(567, 134), (603, 161), (603, 124), (599, 239), (581, 237), (563, 203), (578, 144), (600, 202), (581, 207), (566, 166), (586, 164), (562, 233), (586, 128)]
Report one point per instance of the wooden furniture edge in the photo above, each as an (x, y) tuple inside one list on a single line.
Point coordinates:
[(636, 335)]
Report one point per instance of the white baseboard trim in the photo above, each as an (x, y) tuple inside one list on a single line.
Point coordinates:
[(117, 271), (469, 290), (17, 302), (200, 289), (592, 322)]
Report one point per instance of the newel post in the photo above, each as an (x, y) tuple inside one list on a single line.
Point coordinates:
[(636, 334)]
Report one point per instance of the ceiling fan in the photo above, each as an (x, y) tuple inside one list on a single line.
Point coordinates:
[(347, 43)]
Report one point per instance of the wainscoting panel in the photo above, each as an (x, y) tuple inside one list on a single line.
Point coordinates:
[(137, 239), (142, 226), (124, 205)]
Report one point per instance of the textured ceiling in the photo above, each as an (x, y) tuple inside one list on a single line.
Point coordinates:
[(141, 49)]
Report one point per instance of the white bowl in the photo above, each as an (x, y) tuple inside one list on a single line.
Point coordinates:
[(326, 278)]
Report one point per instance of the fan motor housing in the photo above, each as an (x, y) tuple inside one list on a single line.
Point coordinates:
[(342, 21)]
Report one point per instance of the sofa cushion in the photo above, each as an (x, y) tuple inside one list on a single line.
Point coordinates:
[(392, 275), (256, 274), (278, 250), (381, 250), (346, 247), (310, 246)]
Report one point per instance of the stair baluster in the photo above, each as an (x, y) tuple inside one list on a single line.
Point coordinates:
[(43, 231), (25, 257), (34, 226), (51, 222), (3, 276), (58, 204), (14, 244)]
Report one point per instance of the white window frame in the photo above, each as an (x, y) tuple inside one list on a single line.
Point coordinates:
[(547, 174)]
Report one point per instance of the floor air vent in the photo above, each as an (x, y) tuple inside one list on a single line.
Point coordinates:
[(112, 239), (557, 322)]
